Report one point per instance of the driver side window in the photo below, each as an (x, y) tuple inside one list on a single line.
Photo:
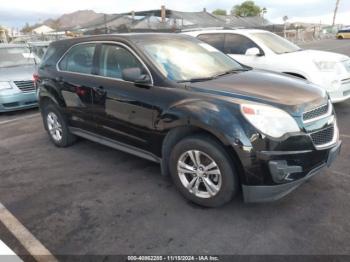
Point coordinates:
[(114, 59), (238, 44)]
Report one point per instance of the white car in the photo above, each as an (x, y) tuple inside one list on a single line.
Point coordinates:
[(265, 50)]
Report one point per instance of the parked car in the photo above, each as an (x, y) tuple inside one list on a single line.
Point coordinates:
[(17, 65), (211, 123), (343, 33), (265, 50), (38, 48)]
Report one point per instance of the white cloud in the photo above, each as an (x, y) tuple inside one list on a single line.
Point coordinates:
[(341, 18)]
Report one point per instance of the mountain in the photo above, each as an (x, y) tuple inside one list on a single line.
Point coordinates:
[(73, 20)]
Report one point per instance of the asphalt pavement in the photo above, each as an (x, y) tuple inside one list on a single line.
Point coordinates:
[(90, 199)]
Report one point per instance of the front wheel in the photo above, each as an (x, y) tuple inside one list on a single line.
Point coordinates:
[(203, 172)]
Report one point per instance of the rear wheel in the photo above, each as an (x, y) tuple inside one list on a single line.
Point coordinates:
[(56, 126), (203, 172), (340, 37)]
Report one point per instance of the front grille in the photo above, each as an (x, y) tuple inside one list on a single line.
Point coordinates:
[(9, 105), (345, 81), (323, 137), (25, 86), (317, 112)]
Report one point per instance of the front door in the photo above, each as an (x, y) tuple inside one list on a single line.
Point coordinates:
[(237, 45), (123, 110)]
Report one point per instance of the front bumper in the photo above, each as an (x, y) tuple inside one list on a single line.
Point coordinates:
[(340, 95), (266, 193), (18, 101)]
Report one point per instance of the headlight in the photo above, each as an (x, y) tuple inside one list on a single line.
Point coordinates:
[(269, 120), (5, 85), (326, 65)]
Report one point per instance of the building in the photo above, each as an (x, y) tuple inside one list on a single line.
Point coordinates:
[(43, 29)]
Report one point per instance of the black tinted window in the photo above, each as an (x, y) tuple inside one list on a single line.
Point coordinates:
[(114, 59), (215, 40), (79, 59), (238, 44)]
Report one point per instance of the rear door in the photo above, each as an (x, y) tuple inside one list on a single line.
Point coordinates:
[(76, 81)]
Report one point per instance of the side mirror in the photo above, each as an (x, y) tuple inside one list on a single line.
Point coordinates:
[(254, 51), (134, 74)]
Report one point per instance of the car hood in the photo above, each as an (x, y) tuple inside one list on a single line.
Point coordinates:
[(17, 73), (316, 55), (287, 92)]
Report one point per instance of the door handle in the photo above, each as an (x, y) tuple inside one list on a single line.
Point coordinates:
[(59, 79), (99, 90)]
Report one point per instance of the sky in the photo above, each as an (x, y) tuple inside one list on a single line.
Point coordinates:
[(15, 13)]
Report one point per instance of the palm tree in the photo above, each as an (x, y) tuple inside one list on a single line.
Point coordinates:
[(335, 12)]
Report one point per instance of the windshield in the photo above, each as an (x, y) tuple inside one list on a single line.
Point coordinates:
[(276, 43), (15, 56), (184, 59)]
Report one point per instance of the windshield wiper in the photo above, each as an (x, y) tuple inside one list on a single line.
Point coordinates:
[(199, 79), (288, 52), (231, 72)]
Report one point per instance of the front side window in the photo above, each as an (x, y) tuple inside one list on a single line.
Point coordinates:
[(185, 59), (216, 40), (15, 56), (114, 59), (238, 44), (79, 59), (276, 43)]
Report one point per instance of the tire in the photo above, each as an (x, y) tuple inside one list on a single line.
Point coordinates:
[(51, 114), (225, 184), (340, 37)]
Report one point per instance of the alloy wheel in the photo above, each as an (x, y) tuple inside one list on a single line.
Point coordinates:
[(199, 174), (54, 126)]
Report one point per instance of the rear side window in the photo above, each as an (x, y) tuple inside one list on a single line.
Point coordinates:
[(215, 40), (238, 44), (114, 59), (79, 59)]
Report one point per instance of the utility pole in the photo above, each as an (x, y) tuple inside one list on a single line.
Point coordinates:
[(335, 12), (105, 22)]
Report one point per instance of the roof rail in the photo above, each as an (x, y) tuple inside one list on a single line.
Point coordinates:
[(211, 28)]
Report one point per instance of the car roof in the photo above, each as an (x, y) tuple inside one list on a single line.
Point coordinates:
[(118, 37), (223, 31), (41, 43), (12, 45)]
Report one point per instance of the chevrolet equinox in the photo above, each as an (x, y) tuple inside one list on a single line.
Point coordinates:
[(215, 126)]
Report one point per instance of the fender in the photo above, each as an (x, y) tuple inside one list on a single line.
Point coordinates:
[(221, 119), (48, 90)]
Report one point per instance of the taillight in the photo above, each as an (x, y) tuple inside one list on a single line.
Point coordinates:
[(35, 77), (36, 80)]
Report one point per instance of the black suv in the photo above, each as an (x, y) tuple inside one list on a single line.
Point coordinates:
[(213, 125)]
